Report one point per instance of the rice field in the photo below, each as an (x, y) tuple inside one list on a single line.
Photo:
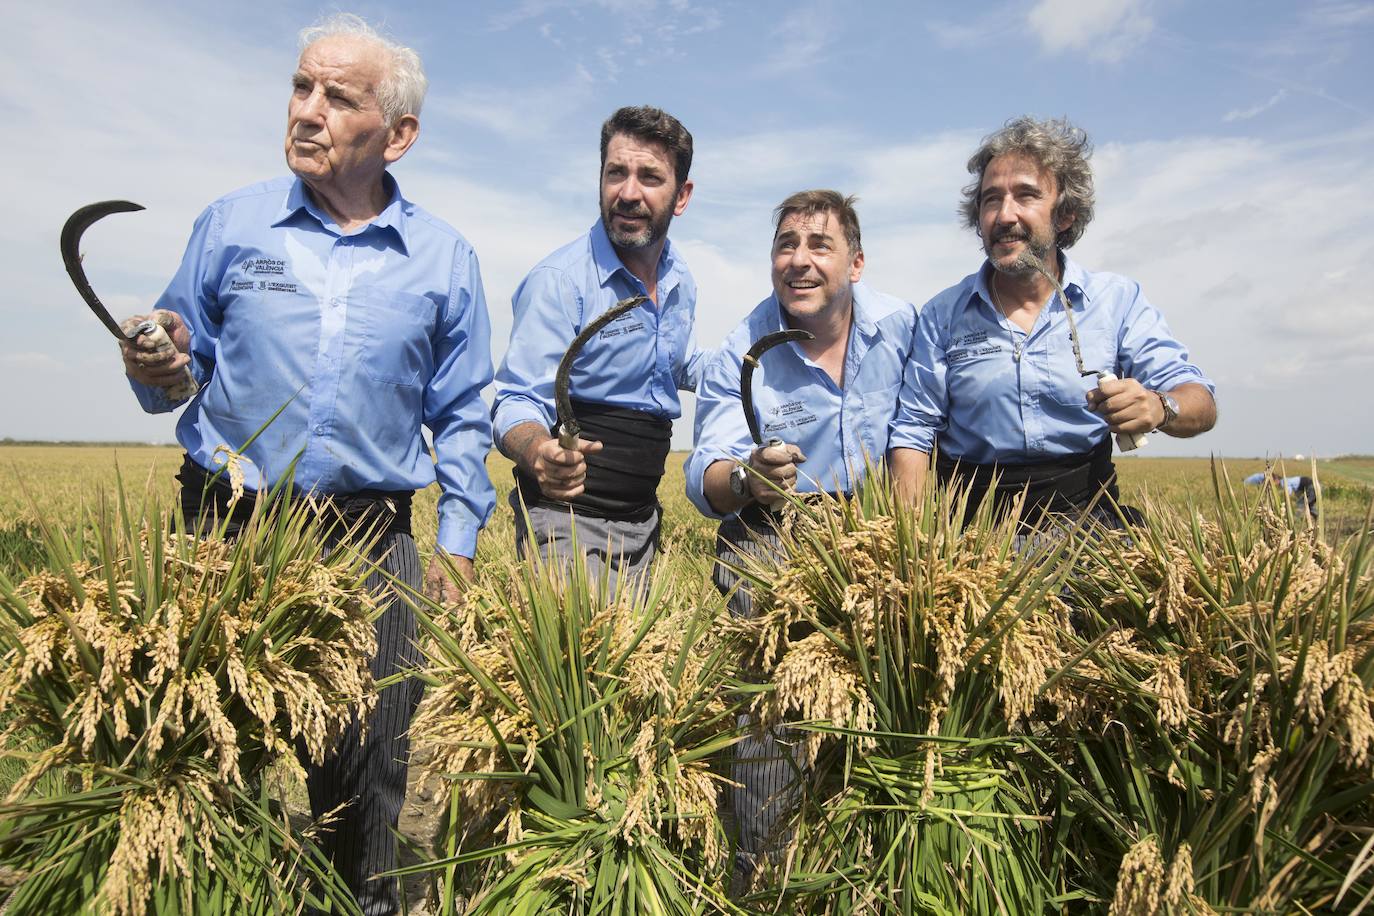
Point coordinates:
[(56, 481), (1177, 721)]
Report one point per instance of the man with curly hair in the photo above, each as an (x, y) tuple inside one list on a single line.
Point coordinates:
[(993, 387)]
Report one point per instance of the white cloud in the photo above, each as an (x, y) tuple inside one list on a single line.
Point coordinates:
[(1245, 114), (1107, 30), (1252, 249)]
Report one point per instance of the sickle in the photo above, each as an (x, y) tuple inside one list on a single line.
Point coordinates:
[(746, 372), (568, 430), (70, 243)]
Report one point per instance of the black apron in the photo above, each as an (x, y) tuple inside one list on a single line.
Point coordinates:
[(622, 479)]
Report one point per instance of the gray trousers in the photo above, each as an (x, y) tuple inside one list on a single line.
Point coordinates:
[(766, 765), (369, 779), (625, 549)]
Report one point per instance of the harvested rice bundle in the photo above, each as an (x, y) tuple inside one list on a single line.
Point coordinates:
[(156, 676), (573, 736), (1235, 654), (919, 650)]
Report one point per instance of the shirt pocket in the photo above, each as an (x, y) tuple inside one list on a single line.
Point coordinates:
[(1064, 383), (879, 407), (394, 329)]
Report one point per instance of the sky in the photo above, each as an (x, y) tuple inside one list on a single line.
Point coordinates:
[(1232, 159)]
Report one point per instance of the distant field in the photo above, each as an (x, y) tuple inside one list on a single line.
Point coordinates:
[(54, 482)]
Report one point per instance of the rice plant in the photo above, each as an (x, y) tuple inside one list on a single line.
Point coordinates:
[(572, 733), (906, 654), (1225, 755), (147, 679)]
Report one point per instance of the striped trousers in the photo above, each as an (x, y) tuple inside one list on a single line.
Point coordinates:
[(767, 764), (369, 779)]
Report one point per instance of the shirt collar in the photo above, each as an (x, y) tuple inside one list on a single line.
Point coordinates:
[(391, 221), (1073, 276), (608, 263)]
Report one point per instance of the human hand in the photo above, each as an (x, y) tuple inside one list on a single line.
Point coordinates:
[(439, 585), (775, 465), (1126, 405), (561, 472), (145, 363)]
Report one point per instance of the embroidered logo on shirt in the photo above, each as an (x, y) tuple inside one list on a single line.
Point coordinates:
[(791, 415), (625, 324), (263, 267), (966, 353), (258, 267)]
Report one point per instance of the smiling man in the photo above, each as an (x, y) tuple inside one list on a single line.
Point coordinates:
[(829, 401), (625, 381), (993, 380), (331, 298)]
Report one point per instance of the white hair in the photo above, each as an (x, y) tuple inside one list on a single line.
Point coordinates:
[(402, 90)]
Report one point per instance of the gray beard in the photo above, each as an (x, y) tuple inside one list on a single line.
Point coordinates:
[(650, 235)]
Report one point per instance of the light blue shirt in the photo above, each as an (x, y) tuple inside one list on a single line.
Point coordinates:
[(1291, 484), (364, 336), (966, 389), (640, 361), (797, 401)]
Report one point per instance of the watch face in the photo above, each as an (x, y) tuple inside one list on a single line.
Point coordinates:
[(739, 482)]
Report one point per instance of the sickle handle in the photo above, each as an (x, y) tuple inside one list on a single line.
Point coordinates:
[(1127, 442), (184, 388)]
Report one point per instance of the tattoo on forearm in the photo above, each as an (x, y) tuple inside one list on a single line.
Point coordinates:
[(519, 440)]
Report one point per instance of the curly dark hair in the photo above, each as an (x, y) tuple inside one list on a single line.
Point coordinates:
[(1061, 149), (644, 122)]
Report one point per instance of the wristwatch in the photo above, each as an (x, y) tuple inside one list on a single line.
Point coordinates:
[(739, 482), (1170, 410)]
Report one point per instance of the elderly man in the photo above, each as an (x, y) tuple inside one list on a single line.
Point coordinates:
[(625, 381), (829, 401), (331, 298), (993, 381)]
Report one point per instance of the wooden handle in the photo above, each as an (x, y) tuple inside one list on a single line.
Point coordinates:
[(1127, 442), (186, 388)]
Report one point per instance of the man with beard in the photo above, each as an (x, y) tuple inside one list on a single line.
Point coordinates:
[(828, 400), (625, 381), (340, 316), (993, 381)]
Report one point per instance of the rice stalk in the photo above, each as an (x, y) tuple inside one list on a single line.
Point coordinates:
[(153, 676), (572, 733)]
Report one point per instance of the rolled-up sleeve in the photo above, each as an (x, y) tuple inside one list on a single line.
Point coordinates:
[(1149, 353), (456, 414), (923, 403), (546, 312), (720, 432)]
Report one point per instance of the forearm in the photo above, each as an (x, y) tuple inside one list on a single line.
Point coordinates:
[(521, 444), (908, 468), (1197, 411), (716, 487)]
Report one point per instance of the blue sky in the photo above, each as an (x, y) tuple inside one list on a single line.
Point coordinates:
[(1233, 163)]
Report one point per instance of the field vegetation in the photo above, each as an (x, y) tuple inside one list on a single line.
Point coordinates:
[(1181, 720)]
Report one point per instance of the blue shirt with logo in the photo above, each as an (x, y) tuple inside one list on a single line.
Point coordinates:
[(837, 427), (358, 338), (639, 361), (986, 391)]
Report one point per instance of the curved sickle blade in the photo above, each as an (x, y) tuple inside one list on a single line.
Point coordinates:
[(568, 430), (77, 224), (746, 372)]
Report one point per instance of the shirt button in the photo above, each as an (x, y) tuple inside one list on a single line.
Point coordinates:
[(319, 430), (336, 302)]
